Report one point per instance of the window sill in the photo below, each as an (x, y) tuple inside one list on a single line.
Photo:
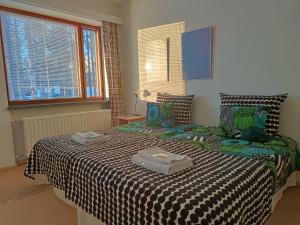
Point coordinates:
[(16, 107)]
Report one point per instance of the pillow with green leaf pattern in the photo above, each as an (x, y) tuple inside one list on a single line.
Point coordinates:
[(167, 119), (245, 122)]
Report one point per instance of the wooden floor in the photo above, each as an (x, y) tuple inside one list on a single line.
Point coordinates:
[(24, 203), (287, 211)]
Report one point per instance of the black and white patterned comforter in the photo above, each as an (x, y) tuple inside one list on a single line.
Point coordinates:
[(219, 189)]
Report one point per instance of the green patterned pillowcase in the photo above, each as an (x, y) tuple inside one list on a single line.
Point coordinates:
[(153, 114), (167, 119), (245, 122)]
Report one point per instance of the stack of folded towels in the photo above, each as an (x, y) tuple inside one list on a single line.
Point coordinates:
[(88, 138), (161, 161)]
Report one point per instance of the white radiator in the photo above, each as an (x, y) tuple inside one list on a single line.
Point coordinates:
[(39, 127)]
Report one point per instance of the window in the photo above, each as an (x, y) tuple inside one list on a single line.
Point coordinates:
[(156, 66), (160, 60), (50, 60), (90, 60)]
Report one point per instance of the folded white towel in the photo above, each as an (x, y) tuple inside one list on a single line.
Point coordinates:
[(161, 167), (90, 135), (157, 154), (85, 141)]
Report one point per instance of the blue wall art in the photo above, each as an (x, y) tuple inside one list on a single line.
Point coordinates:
[(197, 54)]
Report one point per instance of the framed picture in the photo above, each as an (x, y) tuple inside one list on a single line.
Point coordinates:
[(197, 54)]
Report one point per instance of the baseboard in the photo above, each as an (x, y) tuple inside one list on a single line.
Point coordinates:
[(21, 160), (8, 167)]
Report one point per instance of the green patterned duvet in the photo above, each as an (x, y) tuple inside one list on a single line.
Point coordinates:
[(279, 153), (162, 133)]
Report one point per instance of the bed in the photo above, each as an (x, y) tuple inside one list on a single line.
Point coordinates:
[(222, 187), (279, 153)]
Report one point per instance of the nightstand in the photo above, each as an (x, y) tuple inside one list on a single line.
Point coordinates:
[(129, 119)]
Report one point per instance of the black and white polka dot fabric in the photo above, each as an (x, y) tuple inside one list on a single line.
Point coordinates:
[(219, 189), (282, 163), (183, 106), (273, 101)]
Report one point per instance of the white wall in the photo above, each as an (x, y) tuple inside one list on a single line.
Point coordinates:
[(257, 50), (91, 8)]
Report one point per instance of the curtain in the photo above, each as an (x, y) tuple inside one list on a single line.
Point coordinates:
[(113, 71)]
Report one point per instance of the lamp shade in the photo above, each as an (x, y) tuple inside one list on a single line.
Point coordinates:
[(146, 93)]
